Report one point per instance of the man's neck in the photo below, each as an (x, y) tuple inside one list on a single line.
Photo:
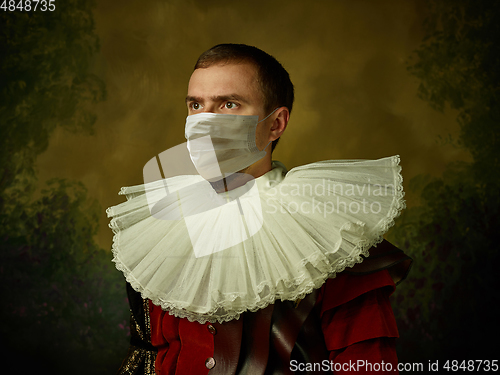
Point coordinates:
[(236, 180), (262, 166), (231, 182)]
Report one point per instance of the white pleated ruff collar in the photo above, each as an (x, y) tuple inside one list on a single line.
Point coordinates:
[(210, 257)]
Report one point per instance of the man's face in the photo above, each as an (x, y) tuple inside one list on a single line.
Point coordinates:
[(229, 89)]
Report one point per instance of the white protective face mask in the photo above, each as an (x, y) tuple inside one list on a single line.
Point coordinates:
[(222, 144)]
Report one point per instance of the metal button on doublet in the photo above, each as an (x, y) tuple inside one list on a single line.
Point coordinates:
[(211, 329), (210, 363)]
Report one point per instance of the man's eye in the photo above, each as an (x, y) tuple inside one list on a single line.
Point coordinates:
[(195, 106), (230, 105)]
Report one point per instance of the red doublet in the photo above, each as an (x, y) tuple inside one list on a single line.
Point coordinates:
[(356, 318)]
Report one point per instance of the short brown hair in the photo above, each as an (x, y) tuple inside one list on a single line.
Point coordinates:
[(274, 80)]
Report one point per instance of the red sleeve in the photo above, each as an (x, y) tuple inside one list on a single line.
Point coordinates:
[(358, 323), (183, 346)]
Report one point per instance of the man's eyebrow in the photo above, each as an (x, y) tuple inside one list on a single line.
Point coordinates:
[(217, 98), (190, 99)]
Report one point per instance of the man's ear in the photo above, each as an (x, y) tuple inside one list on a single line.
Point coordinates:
[(280, 122)]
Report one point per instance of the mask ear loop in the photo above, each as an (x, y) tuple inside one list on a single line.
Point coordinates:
[(265, 118)]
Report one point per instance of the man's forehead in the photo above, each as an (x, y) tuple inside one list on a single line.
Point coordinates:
[(219, 79)]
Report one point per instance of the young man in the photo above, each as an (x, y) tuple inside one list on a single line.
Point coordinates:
[(277, 302)]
